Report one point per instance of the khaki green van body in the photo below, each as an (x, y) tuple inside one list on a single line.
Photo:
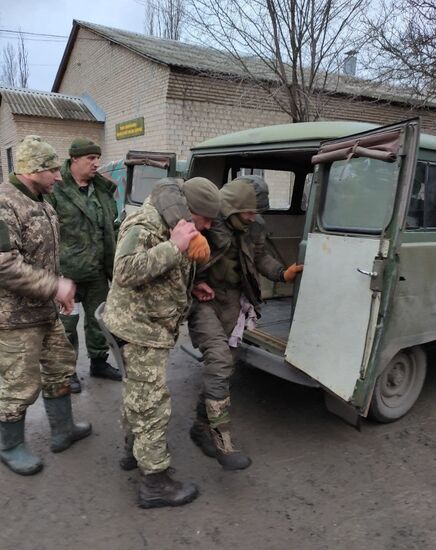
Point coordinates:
[(356, 204)]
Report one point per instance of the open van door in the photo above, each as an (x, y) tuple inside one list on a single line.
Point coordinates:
[(362, 188), (144, 170)]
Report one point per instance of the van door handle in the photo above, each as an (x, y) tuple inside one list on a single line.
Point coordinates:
[(372, 274)]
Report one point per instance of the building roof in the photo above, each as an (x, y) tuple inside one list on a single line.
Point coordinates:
[(199, 59), (51, 105)]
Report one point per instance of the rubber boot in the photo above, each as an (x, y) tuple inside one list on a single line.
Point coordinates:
[(200, 431), (160, 489), (64, 432), (128, 461), (100, 368), (14, 452)]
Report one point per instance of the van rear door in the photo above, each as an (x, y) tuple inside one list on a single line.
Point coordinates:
[(362, 188), (144, 170)]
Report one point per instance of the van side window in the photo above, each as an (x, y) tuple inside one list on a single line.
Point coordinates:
[(143, 182), (422, 207), (280, 184)]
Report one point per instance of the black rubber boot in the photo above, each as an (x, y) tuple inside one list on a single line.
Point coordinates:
[(64, 432), (200, 432), (128, 461), (158, 490), (100, 368), (229, 457), (75, 385), (14, 452)]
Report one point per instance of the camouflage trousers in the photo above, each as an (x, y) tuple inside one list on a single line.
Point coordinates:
[(210, 325), (90, 294), (146, 408), (31, 359)]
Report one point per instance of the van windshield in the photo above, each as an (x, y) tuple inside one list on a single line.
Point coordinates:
[(360, 195)]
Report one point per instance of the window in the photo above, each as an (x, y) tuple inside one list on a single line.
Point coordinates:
[(10, 159), (360, 195), (144, 180), (422, 206)]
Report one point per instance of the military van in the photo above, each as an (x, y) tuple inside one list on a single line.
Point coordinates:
[(356, 204)]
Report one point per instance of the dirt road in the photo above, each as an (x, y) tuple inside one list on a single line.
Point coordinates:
[(315, 483)]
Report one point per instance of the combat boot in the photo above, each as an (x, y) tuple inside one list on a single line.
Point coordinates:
[(64, 432), (100, 368), (128, 461), (219, 418), (13, 450), (226, 454), (159, 489), (200, 431), (75, 384)]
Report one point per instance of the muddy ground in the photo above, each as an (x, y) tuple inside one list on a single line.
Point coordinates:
[(315, 483)]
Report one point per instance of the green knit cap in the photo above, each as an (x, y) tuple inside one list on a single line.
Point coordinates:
[(202, 196), (84, 146), (35, 155)]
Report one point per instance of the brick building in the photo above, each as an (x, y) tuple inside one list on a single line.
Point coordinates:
[(161, 95)]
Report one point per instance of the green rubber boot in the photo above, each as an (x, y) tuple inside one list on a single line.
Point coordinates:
[(64, 432), (13, 451)]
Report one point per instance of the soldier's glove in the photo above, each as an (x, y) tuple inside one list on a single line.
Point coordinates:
[(198, 249), (290, 273)]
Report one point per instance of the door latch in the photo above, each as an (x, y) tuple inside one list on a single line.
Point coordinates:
[(376, 274)]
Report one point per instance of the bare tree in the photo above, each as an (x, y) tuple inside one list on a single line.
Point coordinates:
[(292, 49), (402, 45), (9, 66), (15, 66), (23, 64), (163, 18)]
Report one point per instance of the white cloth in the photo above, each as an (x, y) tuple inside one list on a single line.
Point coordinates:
[(247, 320)]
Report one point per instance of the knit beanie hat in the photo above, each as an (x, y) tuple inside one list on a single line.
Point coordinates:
[(202, 196), (84, 146), (35, 155)]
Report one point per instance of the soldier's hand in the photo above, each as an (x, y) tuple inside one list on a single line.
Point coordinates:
[(203, 292), (198, 249), (65, 295), (291, 272), (182, 234)]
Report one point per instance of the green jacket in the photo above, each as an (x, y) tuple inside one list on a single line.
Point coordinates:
[(79, 246), (151, 290)]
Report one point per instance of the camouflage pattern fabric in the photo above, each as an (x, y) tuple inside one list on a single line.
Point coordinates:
[(90, 294), (150, 292), (31, 359), (218, 412), (146, 407), (35, 155), (88, 226), (29, 257)]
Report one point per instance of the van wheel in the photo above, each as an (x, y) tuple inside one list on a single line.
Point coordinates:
[(399, 385)]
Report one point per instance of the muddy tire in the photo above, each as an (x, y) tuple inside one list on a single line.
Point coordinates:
[(399, 385)]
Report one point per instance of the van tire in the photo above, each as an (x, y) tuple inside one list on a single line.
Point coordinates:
[(399, 385)]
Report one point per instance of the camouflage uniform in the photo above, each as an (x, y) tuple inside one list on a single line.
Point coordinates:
[(30, 332), (88, 235), (149, 298)]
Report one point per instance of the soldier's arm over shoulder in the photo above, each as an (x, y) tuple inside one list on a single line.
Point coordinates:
[(138, 262), (15, 274)]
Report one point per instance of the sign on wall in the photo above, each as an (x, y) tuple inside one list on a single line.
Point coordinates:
[(130, 128)]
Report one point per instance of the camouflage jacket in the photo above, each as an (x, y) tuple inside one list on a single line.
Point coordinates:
[(80, 260), (29, 257), (151, 288)]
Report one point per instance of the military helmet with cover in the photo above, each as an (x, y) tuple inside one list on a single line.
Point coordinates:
[(35, 155)]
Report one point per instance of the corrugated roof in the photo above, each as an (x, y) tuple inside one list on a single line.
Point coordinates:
[(210, 60), (47, 104)]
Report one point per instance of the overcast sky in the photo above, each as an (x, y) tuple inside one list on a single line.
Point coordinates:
[(55, 17)]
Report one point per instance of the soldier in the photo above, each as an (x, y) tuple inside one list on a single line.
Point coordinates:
[(34, 350), (149, 298), (227, 294), (87, 213)]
